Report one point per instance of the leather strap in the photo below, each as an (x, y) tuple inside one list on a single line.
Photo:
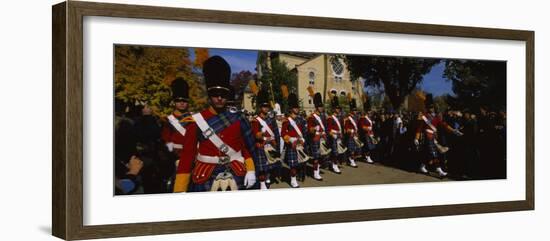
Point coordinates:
[(211, 135)]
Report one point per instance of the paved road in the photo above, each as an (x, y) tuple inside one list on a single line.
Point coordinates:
[(364, 174)]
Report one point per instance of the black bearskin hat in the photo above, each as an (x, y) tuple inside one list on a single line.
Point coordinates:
[(429, 102), (352, 105), (335, 103), (366, 105), (262, 99), (217, 73), (231, 96), (293, 101), (318, 100), (180, 90)]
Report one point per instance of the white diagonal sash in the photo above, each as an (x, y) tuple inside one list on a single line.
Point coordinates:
[(265, 127), (337, 123), (293, 124), (211, 135), (370, 123), (176, 124), (428, 123), (368, 119), (318, 118)]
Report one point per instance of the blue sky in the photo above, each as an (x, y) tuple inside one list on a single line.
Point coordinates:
[(239, 60), (435, 83)]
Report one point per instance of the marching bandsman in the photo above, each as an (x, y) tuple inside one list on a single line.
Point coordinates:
[(292, 131), (351, 132), (427, 130), (266, 132), (367, 133), (218, 146), (173, 131), (317, 124), (335, 130)]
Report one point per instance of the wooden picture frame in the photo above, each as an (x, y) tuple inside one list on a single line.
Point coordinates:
[(67, 76)]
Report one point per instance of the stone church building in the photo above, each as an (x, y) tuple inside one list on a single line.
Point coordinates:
[(327, 75)]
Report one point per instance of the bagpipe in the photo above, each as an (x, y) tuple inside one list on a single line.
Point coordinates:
[(441, 149), (324, 147), (273, 156), (358, 142), (341, 148), (302, 155), (373, 139)]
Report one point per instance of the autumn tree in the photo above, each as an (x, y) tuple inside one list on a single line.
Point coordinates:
[(397, 75), (240, 80), (477, 83), (145, 74), (201, 55)]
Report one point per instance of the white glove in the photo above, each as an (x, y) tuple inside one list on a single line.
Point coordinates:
[(293, 139), (250, 179), (170, 146), (416, 143)]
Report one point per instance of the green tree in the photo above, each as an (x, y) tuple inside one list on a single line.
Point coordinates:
[(398, 75), (440, 102), (477, 83), (277, 75)]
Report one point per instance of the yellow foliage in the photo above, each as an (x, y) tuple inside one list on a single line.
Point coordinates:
[(253, 86), (284, 91), (201, 55)]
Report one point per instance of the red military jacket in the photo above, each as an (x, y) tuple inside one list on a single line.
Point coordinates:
[(260, 136), (288, 131), (170, 134), (349, 126), (194, 145), (430, 124), (334, 127), (315, 128), (366, 125)]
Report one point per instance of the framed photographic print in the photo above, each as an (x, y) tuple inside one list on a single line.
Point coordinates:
[(217, 120)]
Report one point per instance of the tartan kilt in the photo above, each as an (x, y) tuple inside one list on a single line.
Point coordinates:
[(291, 156), (206, 186), (430, 149), (315, 148), (262, 163), (334, 147), (352, 147)]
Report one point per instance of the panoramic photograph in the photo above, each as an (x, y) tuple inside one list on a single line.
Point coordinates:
[(190, 119)]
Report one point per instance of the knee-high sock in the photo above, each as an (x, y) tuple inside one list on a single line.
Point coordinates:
[(262, 177), (315, 165), (293, 172)]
